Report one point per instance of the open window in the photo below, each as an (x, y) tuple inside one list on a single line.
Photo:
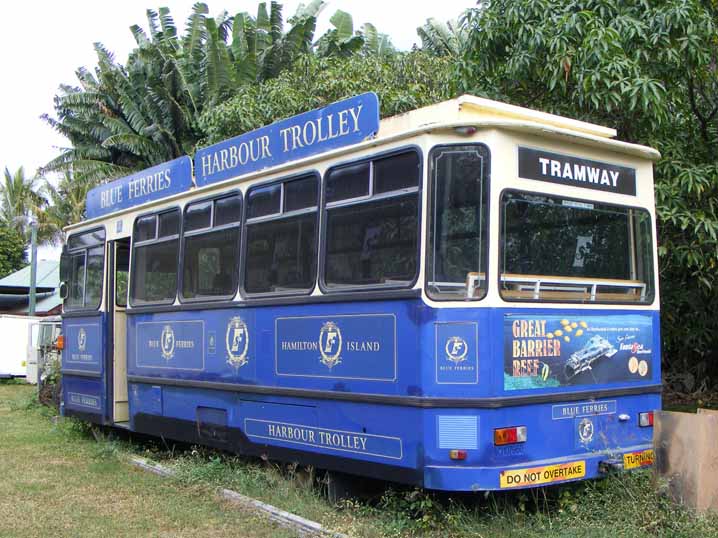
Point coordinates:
[(82, 269), (211, 248), (155, 257), (372, 219), (281, 243), (458, 246), (559, 249)]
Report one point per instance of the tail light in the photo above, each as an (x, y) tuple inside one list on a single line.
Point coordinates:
[(510, 436), (457, 454), (60, 343), (645, 420)]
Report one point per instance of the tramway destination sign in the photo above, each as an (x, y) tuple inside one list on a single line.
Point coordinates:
[(340, 124), (576, 172), (153, 183)]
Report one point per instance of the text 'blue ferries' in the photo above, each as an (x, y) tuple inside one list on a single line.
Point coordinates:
[(340, 124), (160, 181)]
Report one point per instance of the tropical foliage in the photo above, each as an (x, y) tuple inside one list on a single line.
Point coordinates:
[(403, 82), (123, 118), (649, 70), (19, 200), (12, 250)]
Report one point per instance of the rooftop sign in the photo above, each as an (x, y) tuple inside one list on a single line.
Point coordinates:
[(153, 183), (340, 124), (576, 171)]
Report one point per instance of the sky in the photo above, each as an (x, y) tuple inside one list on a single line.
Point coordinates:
[(43, 43)]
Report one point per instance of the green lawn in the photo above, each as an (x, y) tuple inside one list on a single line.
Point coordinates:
[(58, 481)]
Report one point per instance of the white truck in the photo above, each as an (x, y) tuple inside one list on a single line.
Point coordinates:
[(14, 344)]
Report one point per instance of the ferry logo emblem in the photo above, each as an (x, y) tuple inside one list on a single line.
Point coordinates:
[(585, 430), (456, 349), (81, 339), (237, 340), (167, 342), (330, 344)]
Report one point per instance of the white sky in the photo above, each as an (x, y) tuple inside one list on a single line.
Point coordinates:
[(62, 36)]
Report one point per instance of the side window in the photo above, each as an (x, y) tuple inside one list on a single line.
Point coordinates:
[(372, 216), (211, 248), (281, 245), (457, 253), (83, 270), (155, 247)]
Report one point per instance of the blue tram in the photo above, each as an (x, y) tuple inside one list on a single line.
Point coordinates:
[(463, 297)]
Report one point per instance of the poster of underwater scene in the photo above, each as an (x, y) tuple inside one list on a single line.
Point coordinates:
[(544, 351)]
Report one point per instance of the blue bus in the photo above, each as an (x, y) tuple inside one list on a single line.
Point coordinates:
[(463, 297)]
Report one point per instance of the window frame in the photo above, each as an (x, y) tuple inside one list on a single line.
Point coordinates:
[(84, 250), (499, 272), (249, 296), (430, 219), (239, 224), (155, 240), (418, 190)]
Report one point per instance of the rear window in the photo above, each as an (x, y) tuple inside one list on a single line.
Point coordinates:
[(561, 249)]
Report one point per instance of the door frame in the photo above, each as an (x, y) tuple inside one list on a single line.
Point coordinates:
[(110, 298)]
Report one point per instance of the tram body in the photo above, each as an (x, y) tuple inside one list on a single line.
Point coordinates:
[(465, 300)]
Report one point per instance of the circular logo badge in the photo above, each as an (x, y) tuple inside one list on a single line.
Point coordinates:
[(167, 342), (642, 368), (237, 340), (633, 365), (81, 339), (330, 344), (585, 430), (456, 349)]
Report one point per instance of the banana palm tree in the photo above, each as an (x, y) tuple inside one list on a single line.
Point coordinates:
[(442, 38), (65, 205), (19, 198), (125, 118)]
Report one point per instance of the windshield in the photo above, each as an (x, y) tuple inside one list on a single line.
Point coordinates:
[(555, 248)]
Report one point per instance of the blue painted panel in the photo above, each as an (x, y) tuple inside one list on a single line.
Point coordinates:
[(548, 439), (153, 183), (457, 353), (260, 345), (209, 345), (361, 346), (583, 409), (544, 350), (84, 343), (340, 124), (83, 394), (358, 443), (178, 345)]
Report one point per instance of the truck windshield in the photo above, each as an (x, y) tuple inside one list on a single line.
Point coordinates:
[(559, 249)]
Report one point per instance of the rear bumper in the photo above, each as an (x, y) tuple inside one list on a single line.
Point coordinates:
[(537, 473)]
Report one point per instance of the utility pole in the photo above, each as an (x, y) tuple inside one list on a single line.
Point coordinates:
[(33, 266)]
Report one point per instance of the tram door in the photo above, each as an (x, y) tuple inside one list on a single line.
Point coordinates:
[(120, 251)]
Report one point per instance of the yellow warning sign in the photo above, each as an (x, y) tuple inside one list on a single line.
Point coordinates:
[(517, 478), (638, 459)]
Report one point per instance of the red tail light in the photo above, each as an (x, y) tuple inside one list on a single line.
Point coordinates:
[(457, 454), (510, 436), (645, 420)]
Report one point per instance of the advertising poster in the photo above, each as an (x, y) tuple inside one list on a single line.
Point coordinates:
[(542, 351)]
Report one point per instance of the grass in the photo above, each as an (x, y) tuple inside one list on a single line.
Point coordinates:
[(79, 487), (57, 481)]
